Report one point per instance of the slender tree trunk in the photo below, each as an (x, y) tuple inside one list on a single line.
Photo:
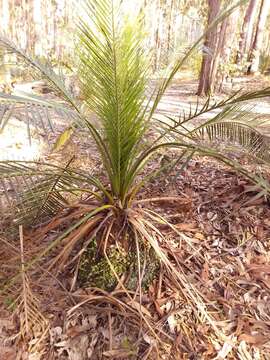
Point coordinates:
[(55, 27), (169, 23), (206, 80), (31, 34), (266, 65), (158, 36), (6, 28), (227, 42), (246, 31), (21, 28), (258, 39), (37, 17), (218, 54), (5, 15)]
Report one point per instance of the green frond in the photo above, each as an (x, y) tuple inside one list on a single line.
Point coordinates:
[(247, 137), (45, 70), (202, 150), (56, 83), (113, 80), (237, 124), (35, 112), (29, 191), (236, 105), (33, 191), (113, 76)]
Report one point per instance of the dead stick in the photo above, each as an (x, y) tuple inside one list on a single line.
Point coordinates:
[(23, 279), (160, 199)]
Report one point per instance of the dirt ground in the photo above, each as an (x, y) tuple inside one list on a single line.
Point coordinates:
[(221, 242)]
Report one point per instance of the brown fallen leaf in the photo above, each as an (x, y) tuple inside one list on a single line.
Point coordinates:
[(76, 347), (254, 339), (139, 307), (7, 353), (199, 236), (158, 309), (118, 354), (258, 269), (192, 227), (77, 330), (205, 272), (6, 324)]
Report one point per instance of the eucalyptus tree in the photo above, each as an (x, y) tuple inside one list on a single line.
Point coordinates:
[(255, 50), (211, 39), (247, 30)]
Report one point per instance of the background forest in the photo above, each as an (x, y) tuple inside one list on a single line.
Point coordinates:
[(239, 45), (134, 179)]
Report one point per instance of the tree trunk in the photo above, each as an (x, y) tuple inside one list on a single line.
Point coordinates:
[(246, 31), (31, 34), (37, 17), (206, 80), (227, 41), (5, 69), (258, 39), (158, 33), (169, 24), (5, 16), (219, 52)]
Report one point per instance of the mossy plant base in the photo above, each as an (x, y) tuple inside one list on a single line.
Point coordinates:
[(97, 272)]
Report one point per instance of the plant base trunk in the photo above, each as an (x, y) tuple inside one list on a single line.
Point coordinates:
[(97, 271)]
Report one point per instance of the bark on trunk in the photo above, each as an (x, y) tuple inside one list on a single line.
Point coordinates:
[(158, 36), (246, 31), (5, 16), (31, 33), (206, 80), (218, 55), (228, 41), (37, 17), (169, 22), (258, 39)]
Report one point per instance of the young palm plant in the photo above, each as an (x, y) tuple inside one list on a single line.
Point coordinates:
[(113, 74)]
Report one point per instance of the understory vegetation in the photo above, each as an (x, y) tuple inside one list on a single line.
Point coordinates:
[(95, 227)]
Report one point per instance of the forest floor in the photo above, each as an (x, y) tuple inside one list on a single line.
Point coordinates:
[(222, 247)]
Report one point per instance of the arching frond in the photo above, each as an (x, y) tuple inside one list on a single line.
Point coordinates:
[(233, 106), (35, 112), (33, 191), (45, 70), (203, 150), (237, 122), (247, 137), (112, 74)]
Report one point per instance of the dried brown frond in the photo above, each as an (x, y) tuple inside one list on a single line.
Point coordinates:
[(34, 327)]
